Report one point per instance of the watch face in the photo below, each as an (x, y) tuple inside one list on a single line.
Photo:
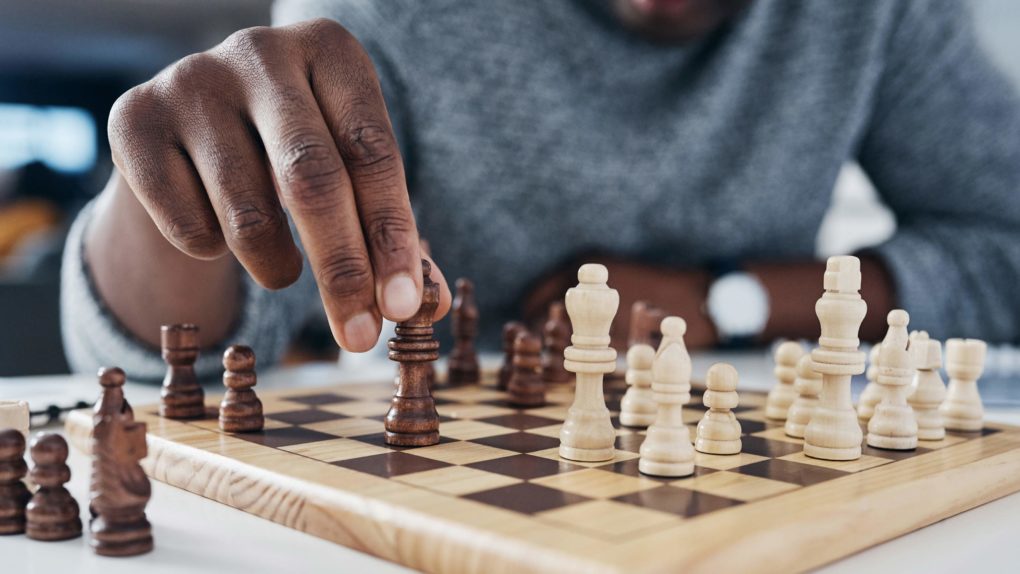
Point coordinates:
[(738, 305)]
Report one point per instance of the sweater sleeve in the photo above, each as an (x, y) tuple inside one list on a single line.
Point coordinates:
[(94, 338), (943, 149)]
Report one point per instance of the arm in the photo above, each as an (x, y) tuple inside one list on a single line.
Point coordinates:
[(943, 149)]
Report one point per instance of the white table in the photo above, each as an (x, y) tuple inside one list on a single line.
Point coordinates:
[(200, 536)]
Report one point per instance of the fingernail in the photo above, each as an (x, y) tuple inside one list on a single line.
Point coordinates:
[(360, 332), (400, 297)]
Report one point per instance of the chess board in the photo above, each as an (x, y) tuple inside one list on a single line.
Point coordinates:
[(494, 496)]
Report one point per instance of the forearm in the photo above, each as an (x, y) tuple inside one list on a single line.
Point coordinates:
[(145, 282)]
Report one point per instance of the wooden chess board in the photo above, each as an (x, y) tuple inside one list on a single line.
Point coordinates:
[(494, 496)]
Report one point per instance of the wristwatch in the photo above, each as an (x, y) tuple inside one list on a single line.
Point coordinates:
[(738, 306)]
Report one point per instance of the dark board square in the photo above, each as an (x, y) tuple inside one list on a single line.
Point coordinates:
[(288, 436), (630, 442), (766, 447), (891, 454), (379, 439), (677, 500), (527, 498), (520, 421), (320, 399), (976, 434), (751, 427), (630, 468), (525, 466), (306, 416), (788, 471), (391, 464), (519, 441)]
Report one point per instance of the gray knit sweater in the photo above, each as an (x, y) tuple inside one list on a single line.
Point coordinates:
[(535, 130)]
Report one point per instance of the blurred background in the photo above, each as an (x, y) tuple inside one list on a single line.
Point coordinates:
[(64, 62)]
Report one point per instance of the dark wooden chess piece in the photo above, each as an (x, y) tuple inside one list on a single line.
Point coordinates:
[(644, 325), (182, 396), (412, 419), (462, 366), (119, 489), (111, 397), (14, 495), (510, 331), (556, 338), (526, 388), (52, 513), (241, 410)]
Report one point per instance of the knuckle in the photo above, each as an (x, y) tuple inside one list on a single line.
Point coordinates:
[(320, 30), (369, 145), (193, 71), (345, 275), (195, 235), (251, 41), (308, 171), (128, 114), (388, 231), (253, 223)]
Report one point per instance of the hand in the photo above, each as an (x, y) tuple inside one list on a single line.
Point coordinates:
[(219, 144)]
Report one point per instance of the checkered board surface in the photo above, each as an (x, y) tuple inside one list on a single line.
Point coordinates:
[(496, 472)]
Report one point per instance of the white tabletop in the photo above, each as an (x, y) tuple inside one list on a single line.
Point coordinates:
[(202, 536)]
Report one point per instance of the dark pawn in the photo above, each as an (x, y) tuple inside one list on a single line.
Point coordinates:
[(119, 489), (510, 332), (183, 397), (463, 361), (241, 410), (14, 495), (556, 338), (412, 419), (52, 513), (111, 398), (526, 388)]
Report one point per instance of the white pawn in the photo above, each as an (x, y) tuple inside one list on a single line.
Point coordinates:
[(893, 425), (587, 434), (667, 449), (808, 386), (637, 408), (929, 390), (783, 394), (719, 431), (965, 361), (872, 393)]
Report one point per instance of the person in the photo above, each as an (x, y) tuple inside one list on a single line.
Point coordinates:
[(678, 141)]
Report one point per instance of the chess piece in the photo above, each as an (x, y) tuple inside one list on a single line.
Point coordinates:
[(588, 434), (893, 425), (928, 390), (555, 338), (240, 410), (644, 325), (638, 408), (15, 415), (14, 495), (807, 385), (111, 396), (182, 396), (965, 360), (526, 388), (834, 433), (119, 489), (783, 394), (510, 331), (462, 365), (872, 393), (719, 431), (667, 449), (412, 419), (52, 514)]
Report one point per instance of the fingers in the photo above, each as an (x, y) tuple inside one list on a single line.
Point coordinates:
[(356, 116)]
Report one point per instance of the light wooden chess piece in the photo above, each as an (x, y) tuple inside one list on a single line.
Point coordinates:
[(588, 434), (929, 390), (872, 393), (893, 425), (15, 415), (638, 408), (965, 361), (667, 449), (834, 433), (719, 430), (807, 385), (783, 394)]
